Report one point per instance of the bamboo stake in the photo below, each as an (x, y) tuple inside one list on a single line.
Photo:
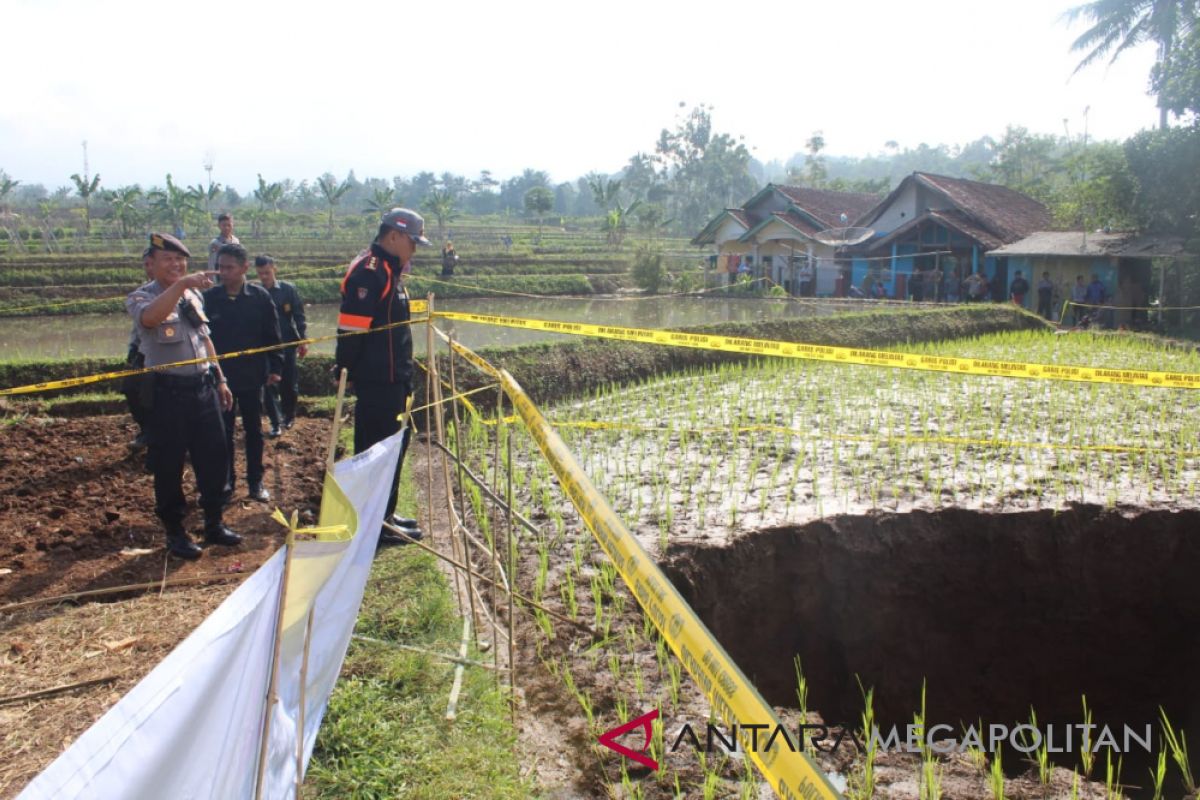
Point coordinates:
[(399, 646), (478, 481), (512, 577), (273, 686), (500, 429), (66, 687), (431, 380), (131, 587), (435, 379), (462, 498), (527, 601), (300, 708), (337, 420), (452, 705)]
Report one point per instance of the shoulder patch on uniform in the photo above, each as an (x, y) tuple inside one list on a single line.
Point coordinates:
[(371, 262)]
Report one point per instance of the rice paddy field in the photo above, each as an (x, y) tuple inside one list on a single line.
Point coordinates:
[(786, 442), (871, 544)]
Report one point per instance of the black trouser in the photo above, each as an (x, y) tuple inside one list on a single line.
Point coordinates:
[(1045, 307), (376, 417), (249, 403), (186, 421), (138, 390), (281, 397)]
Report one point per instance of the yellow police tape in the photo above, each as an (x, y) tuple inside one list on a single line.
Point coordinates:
[(792, 774), (85, 380), (843, 355)]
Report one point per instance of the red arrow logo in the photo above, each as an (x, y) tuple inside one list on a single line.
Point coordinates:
[(609, 739)]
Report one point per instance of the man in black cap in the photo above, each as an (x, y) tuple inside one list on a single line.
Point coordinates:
[(188, 399), (242, 316), (380, 363)]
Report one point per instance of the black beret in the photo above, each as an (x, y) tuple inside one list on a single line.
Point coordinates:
[(165, 241)]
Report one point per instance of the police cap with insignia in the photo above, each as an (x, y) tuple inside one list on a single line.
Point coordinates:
[(165, 241), (407, 221)]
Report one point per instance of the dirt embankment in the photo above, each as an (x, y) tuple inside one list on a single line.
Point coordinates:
[(996, 612)]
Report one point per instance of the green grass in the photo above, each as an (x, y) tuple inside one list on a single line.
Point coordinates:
[(384, 735)]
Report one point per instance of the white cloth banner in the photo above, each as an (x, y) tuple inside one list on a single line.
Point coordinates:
[(192, 727)]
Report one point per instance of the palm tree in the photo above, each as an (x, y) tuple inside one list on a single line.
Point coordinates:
[(332, 191), (1118, 25), (124, 206), (440, 203), (7, 184), (86, 188)]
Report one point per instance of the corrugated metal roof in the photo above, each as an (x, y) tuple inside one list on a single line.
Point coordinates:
[(1123, 244)]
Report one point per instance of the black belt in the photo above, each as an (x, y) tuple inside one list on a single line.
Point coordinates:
[(183, 381)]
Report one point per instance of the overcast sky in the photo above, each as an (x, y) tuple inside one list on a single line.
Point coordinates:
[(295, 89)]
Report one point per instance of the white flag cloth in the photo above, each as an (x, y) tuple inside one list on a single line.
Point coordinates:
[(192, 727)]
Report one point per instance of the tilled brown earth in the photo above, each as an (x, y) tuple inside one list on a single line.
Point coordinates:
[(77, 507)]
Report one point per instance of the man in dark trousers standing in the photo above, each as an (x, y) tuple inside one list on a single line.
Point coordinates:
[(185, 419), (379, 363), (242, 316), (281, 398)]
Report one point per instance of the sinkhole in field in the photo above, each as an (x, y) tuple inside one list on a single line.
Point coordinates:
[(996, 612)]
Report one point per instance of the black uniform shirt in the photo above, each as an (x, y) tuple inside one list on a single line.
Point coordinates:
[(291, 311), (246, 320), (373, 296)]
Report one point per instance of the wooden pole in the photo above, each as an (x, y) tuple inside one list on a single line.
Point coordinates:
[(462, 496), (273, 686), (303, 691), (512, 582), (455, 524), (487, 491), (583, 626), (337, 421), (431, 379)]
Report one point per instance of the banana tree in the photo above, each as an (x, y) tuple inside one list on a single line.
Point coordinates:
[(173, 204), (332, 191), (86, 188), (440, 204), (124, 207)]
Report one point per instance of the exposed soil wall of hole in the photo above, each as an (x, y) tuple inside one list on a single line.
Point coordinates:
[(998, 612)]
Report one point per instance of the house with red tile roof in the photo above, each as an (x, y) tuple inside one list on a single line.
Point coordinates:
[(943, 229), (774, 233)]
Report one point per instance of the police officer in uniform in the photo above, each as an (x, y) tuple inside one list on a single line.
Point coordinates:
[(380, 364), (188, 399)]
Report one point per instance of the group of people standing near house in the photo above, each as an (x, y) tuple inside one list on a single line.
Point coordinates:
[(193, 331)]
